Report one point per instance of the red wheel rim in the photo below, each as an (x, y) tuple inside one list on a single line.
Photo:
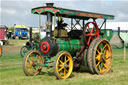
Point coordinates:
[(92, 32), (45, 47)]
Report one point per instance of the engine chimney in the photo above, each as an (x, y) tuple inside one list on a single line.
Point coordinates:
[(49, 19)]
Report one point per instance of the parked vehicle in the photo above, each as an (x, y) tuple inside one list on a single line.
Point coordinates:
[(20, 32), (3, 34)]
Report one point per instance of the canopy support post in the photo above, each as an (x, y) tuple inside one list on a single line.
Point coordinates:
[(83, 23), (124, 52), (71, 23), (39, 23), (103, 24)]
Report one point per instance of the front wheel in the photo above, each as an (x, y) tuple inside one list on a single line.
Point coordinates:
[(63, 65), (30, 67)]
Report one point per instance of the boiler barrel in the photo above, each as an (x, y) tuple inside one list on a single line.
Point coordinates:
[(71, 46)]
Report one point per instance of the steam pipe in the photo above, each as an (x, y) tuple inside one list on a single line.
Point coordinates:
[(30, 34)]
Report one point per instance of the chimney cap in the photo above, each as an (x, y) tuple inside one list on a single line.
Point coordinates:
[(50, 4)]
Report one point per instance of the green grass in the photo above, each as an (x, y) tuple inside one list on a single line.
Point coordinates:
[(17, 42), (11, 73)]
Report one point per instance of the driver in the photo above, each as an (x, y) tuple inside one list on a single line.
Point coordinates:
[(60, 30)]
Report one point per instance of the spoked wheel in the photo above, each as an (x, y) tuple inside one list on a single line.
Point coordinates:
[(29, 63), (90, 32), (0, 50), (24, 50), (102, 56), (63, 65)]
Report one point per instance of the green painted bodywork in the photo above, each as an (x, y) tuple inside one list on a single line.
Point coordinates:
[(71, 46), (39, 64), (107, 34), (47, 61), (70, 13), (46, 64)]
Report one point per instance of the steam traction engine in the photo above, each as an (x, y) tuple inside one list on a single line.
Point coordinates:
[(74, 48)]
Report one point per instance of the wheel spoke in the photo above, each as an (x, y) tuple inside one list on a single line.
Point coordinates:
[(100, 68), (100, 47), (66, 61), (39, 59), (98, 51), (89, 40), (104, 47), (98, 57), (60, 65), (61, 68), (88, 34), (65, 69), (108, 57), (32, 57), (61, 58), (33, 69), (61, 62), (29, 69), (105, 66), (64, 72), (68, 66), (93, 28), (104, 52), (97, 64), (96, 33), (89, 29), (65, 58), (92, 38)]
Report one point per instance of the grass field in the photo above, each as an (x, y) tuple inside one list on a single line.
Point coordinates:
[(11, 72)]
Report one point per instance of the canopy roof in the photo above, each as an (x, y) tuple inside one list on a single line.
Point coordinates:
[(68, 13)]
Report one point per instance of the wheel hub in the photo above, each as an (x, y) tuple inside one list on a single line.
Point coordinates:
[(65, 65), (92, 34), (31, 63), (102, 58)]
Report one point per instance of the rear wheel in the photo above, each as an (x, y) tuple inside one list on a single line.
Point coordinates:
[(63, 65), (24, 50), (29, 63), (89, 55), (102, 56)]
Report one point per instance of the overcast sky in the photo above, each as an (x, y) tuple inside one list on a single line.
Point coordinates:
[(19, 11)]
